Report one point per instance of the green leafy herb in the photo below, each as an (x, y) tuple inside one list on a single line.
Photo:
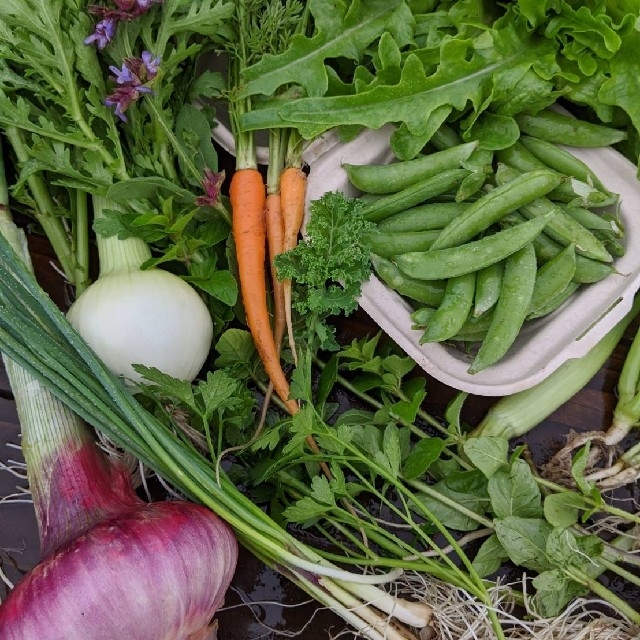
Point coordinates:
[(331, 263)]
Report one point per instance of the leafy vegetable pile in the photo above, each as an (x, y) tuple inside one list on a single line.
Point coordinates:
[(108, 111)]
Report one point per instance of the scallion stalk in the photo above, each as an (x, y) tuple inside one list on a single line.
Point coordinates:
[(34, 333), (95, 532)]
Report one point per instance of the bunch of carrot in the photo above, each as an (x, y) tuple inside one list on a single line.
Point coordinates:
[(266, 215), (262, 220)]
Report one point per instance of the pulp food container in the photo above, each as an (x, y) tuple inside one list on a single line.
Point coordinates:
[(543, 344)]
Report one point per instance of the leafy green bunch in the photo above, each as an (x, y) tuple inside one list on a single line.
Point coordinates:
[(437, 62), (58, 90)]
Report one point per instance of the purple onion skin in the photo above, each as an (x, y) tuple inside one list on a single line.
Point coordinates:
[(155, 572)]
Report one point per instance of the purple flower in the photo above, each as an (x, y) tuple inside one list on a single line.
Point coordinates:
[(103, 33), (151, 64), (133, 81), (123, 97), (211, 184), (124, 75), (126, 10)]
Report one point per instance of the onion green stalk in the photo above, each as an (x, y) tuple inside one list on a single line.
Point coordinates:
[(626, 414), (35, 334), (95, 532), (517, 414)]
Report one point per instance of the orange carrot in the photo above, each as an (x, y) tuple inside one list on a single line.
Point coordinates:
[(275, 242), (293, 185), (247, 195)]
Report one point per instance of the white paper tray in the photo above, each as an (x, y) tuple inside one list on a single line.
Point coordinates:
[(543, 344)]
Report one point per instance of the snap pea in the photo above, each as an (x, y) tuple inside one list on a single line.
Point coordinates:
[(561, 160), (565, 230), (393, 177), (562, 227), (511, 309), (470, 334), (480, 163), (557, 127), (556, 302), (455, 261), (454, 309), (389, 244), (552, 278), (413, 195), (445, 137), (488, 286), (612, 244), (473, 330), (423, 291), (432, 215), (587, 270), (422, 317), (595, 221), (495, 204), (517, 156)]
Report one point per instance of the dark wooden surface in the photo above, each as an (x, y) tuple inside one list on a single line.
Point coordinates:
[(260, 603)]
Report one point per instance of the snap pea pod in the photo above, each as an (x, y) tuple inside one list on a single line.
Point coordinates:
[(587, 270), (474, 328), (517, 156), (552, 278), (495, 204), (389, 244), (606, 228), (445, 137), (566, 230), (454, 309), (561, 160), (511, 309), (422, 317), (564, 129), (455, 261), (413, 195), (612, 244), (595, 221), (562, 227), (556, 302), (432, 215), (393, 177), (423, 291), (488, 286), (480, 163)]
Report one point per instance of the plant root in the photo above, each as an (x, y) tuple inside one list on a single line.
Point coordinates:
[(459, 616), (600, 459)]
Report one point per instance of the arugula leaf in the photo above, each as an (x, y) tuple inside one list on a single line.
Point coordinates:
[(341, 31), (553, 591), (465, 77), (563, 509), (490, 556), (465, 488), (423, 454)]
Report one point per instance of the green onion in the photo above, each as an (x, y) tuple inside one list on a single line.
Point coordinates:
[(35, 334)]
